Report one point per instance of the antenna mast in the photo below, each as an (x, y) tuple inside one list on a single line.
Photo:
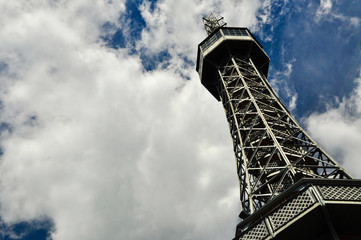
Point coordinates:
[(212, 23)]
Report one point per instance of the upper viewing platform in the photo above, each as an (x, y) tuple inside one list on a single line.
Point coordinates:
[(223, 42), (226, 33)]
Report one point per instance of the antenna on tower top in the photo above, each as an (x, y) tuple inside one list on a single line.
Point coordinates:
[(212, 23)]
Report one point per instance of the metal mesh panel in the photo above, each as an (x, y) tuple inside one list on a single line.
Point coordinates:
[(258, 232), (291, 210), (341, 193)]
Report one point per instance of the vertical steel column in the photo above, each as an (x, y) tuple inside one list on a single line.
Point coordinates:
[(244, 178)]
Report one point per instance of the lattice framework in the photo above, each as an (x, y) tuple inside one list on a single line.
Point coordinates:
[(212, 23), (272, 151)]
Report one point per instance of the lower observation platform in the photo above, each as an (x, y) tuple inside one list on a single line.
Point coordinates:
[(319, 209)]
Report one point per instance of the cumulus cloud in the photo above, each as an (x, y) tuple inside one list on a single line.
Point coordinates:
[(175, 25), (103, 148), (339, 129)]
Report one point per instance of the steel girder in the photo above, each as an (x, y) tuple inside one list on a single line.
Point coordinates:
[(272, 151)]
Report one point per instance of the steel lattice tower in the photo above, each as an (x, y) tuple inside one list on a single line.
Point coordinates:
[(287, 181)]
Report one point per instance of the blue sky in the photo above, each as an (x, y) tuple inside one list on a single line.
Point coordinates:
[(106, 132), (317, 50)]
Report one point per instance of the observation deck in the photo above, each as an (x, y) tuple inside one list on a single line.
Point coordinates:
[(225, 42)]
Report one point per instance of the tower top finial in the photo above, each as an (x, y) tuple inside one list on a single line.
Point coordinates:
[(212, 22)]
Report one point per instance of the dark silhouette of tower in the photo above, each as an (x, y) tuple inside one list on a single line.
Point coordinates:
[(290, 188)]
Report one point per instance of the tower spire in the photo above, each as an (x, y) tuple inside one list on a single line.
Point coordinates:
[(213, 22)]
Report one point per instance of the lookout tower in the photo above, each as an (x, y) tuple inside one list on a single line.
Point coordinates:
[(290, 188)]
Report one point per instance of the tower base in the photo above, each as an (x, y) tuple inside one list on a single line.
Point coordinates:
[(319, 209)]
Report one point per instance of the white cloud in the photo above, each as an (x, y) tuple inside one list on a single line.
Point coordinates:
[(324, 9), (280, 84), (103, 148), (265, 15), (355, 21), (339, 129), (292, 104), (325, 12), (175, 25)]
